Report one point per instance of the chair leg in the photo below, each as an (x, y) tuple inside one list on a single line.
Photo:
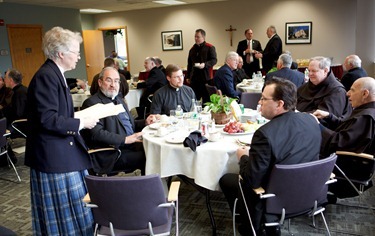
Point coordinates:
[(234, 216), (14, 168), (325, 223)]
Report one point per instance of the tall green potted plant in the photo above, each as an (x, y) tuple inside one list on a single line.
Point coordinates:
[(220, 108)]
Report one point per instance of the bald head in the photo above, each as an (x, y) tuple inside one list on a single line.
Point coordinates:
[(362, 91)]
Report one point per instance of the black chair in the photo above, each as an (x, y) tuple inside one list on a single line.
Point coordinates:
[(211, 89), (355, 171), (4, 145), (132, 205), (19, 128), (103, 160), (295, 190), (250, 100)]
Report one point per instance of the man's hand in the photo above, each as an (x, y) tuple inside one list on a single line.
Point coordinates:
[(201, 66), (258, 55), (152, 119), (89, 122), (242, 151), (134, 138), (320, 114)]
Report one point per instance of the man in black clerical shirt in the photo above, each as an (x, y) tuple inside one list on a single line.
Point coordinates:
[(175, 93)]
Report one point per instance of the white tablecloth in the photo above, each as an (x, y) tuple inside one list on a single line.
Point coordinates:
[(255, 87), (206, 166), (132, 98), (79, 98)]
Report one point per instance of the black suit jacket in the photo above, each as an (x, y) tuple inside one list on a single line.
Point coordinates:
[(109, 132), (53, 144), (156, 79), (297, 77), (272, 52), (253, 66), (352, 75), (17, 107)]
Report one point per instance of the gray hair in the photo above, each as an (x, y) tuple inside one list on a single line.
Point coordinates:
[(231, 55), (272, 28), (158, 61), (58, 40), (15, 75), (324, 62), (286, 60), (354, 60)]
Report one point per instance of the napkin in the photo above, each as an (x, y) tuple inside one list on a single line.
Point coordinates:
[(194, 139)]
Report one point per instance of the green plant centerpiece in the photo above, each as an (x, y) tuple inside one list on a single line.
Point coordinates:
[(220, 108)]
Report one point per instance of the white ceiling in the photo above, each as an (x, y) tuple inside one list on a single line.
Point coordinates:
[(112, 5)]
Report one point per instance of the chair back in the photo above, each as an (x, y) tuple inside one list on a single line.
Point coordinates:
[(211, 89), (358, 167), (250, 100), (3, 129), (298, 186), (129, 203)]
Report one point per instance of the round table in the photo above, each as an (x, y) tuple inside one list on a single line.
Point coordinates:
[(206, 165)]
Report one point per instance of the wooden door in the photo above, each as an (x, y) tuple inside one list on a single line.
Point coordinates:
[(25, 42), (94, 52)]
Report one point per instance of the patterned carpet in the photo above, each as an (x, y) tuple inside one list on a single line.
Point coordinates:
[(343, 220)]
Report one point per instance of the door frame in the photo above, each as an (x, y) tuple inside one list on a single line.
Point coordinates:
[(126, 39)]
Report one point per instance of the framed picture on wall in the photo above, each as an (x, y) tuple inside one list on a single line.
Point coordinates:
[(171, 40), (298, 32)]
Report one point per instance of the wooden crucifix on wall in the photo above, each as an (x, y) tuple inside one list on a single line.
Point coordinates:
[(230, 30)]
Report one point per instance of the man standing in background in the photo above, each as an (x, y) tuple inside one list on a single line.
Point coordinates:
[(247, 49), (272, 51), (202, 57)]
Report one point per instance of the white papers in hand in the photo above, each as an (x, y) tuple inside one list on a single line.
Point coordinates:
[(99, 111)]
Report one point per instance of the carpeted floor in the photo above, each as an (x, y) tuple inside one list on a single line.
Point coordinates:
[(343, 220)]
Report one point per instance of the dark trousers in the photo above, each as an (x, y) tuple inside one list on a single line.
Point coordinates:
[(199, 88), (132, 157)]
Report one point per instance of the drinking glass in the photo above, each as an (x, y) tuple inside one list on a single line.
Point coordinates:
[(199, 106), (172, 117)]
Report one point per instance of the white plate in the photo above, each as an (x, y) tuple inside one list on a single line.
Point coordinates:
[(175, 139), (155, 125), (245, 140)]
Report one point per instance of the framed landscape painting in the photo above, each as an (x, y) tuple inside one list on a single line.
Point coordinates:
[(298, 32), (171, 40)]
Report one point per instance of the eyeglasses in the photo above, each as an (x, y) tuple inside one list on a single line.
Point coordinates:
[(110, 81), (78, 54), (265, 99), (178, 77)]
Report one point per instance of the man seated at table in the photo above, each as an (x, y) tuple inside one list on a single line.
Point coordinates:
[(17, 108), (156, 79), (116, 131), (352, 66), (283, 71), (175, 93), (124, 86), (299, 143), (323, 91), (223, 78), (354, 134), (239, 74)]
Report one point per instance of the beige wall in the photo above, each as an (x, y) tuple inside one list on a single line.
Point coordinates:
[(333, 33)]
